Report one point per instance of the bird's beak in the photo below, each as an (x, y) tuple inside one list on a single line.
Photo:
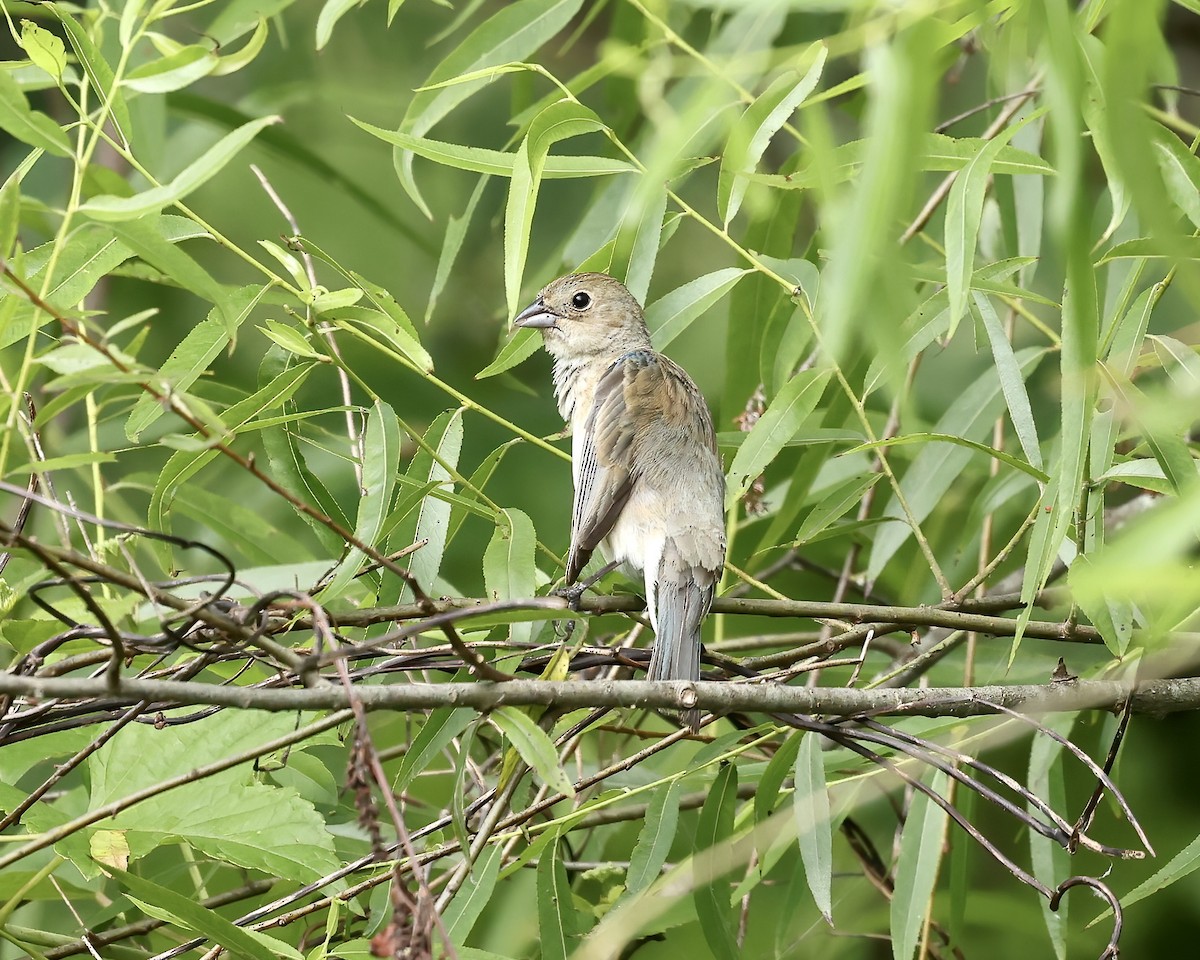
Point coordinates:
[(538, 316)]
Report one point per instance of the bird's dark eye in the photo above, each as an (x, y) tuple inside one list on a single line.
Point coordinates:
[(582, 300)]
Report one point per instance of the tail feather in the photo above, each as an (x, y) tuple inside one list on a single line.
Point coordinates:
[(679, 598)]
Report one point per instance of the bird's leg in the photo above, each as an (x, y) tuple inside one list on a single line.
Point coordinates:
[(575, 591)]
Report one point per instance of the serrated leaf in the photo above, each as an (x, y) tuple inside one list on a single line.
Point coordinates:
[(778, 424), (655, 838), (440, 727), (26, 124), (814, 829), (752, 133), (44, 49), (173, 72), (197, 173), (192, 356), (523, 345), (834, 505), (100, 74), (535, 748), (674, 312), (331, 12), (382, 328)]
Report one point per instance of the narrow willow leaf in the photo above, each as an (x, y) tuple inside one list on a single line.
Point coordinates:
[(921, 842), (100, 74), (938, 466), (834, 505), (1112, 617), (1180, 172), (148, 238), (964, 208), (290, 339), (911, 438), (495, 162), (523, 345), (753, 132), (559, 121), (655, 838), (174, 908), (673, 313), (1080, 333), (1012, 383), (381, 463), (174, 72), (26, 124), (1181, 362), (243, 57), (646, 231), (1183, 864), (556, 910), (535, 748), (331, 12), (775, 427), (1050, 862), (452, 241), (377, 328), (778, 769), (1181, 247), (475, 894), (712, 891), (445, 436), (512, 33), (509, 570), (814, 828), (111, 207), (191, 358)]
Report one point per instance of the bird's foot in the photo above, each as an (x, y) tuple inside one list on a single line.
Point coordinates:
[(572, 593)]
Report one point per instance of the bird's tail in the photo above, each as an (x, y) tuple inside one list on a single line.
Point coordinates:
[(679, 599)]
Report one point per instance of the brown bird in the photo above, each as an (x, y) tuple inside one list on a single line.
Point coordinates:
[(649, 487)]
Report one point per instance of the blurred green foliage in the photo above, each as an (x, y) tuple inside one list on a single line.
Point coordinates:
[(934, 265)]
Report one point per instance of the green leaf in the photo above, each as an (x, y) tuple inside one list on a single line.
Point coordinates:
[(655, 838), (556, 911), (834, 505), (495, 162), (910, 438), (463, 911), (673, 313), (382, 328), (148, 237), (100, 74), (778, 769), (778, 424), (1050, 862), (512, 33), (921, 841), (440, 727), (712, 892), (936, 468), (111, 207), (814, 828), (535, 748), (1012, 383), (192, 356), (290, 339), (445, 436), (174, 72), (44, 49), (509, 570), (381, 463), (1181, 247), (26, 124), (1180, 171), (559, 121), (964, 209), (452, 241), (758, 124), (1183, 864), (331, 13), (174, 908), (523, 345)]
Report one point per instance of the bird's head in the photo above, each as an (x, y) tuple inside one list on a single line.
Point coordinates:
[(587, 314)]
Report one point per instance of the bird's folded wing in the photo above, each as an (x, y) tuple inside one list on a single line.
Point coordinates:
[(608, 472)]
